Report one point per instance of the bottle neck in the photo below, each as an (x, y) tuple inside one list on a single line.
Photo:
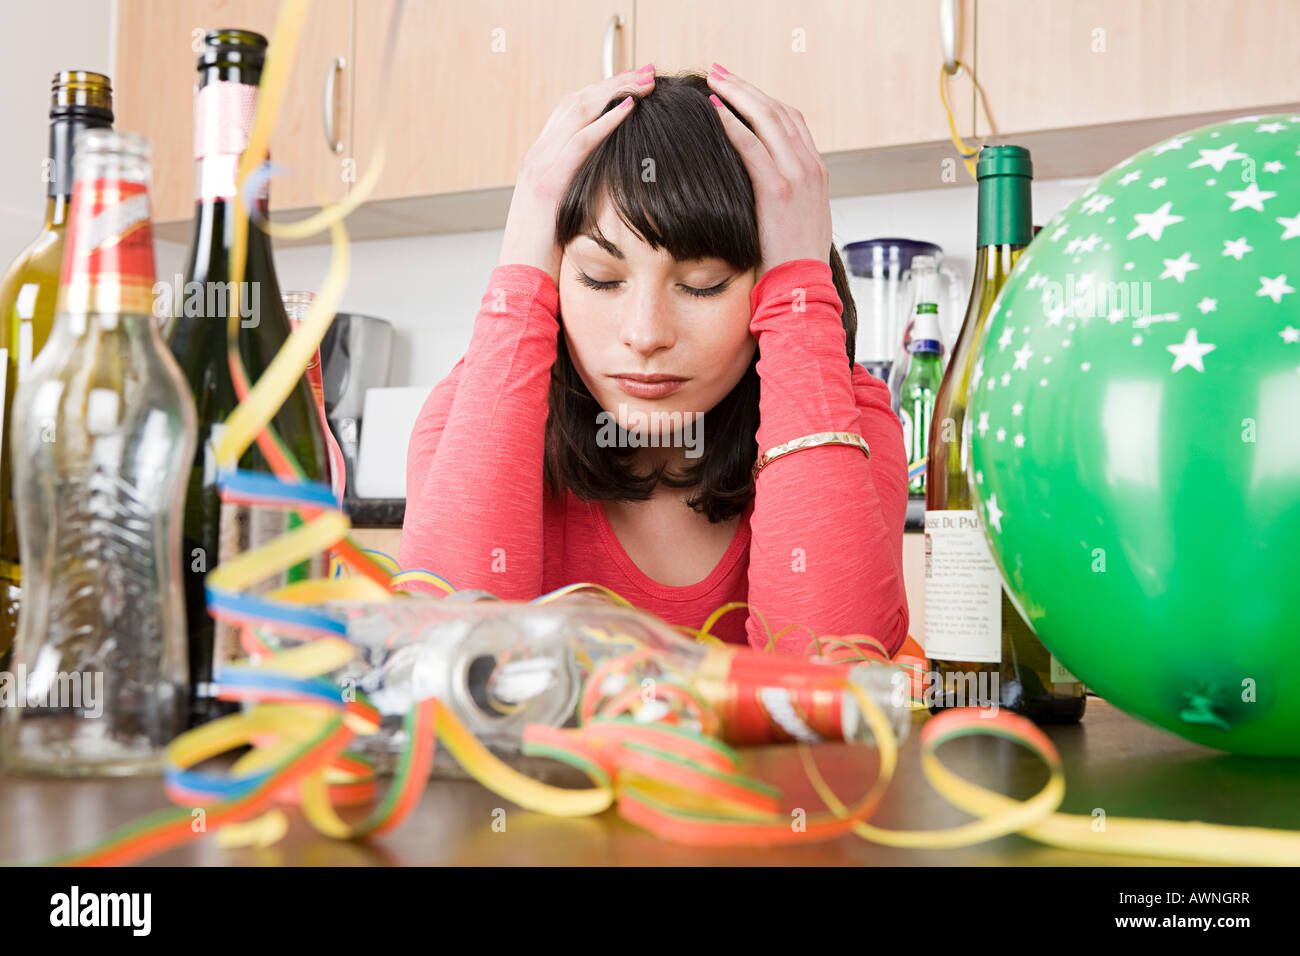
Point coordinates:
[(1004, 217), (925, 328), (63, 133), (223, 119), (56, 211)]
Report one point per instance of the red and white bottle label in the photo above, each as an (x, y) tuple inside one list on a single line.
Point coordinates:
[(108, 263)]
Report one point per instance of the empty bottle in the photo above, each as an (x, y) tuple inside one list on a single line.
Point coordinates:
[(103, 433)]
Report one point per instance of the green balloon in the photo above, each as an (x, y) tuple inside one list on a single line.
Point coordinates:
[(1135, 435)]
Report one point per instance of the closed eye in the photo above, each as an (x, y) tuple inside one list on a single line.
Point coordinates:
[(591, 283)]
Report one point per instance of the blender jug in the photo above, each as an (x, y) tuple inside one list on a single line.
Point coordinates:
[(879, 278)]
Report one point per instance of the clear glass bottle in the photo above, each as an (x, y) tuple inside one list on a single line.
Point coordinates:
[(502, 665), (103, 432)]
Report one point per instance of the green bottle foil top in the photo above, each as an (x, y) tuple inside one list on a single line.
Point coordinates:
[(1005, 208)]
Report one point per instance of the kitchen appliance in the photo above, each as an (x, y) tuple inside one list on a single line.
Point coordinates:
[(390, 415), (879, 272), (355, 355)]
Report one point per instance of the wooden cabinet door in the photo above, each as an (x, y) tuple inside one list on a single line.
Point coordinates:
[(1053, 65), (864, 73), (158, 43), (473, 84)]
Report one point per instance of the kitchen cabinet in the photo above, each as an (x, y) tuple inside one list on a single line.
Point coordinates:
[(1082, 84), (864, 75), (474, 83), (158, 43), (1087, 62)]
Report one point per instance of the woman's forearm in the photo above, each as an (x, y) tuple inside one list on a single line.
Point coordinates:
[(475, 513), (826, 549)]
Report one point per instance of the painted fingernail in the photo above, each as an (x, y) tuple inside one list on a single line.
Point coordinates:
[(719, 67), (625, 104), (648, 66), (716, 102), (645, 81)]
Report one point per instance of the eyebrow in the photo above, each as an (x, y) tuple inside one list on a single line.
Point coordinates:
[(605, 244), (617, 253)]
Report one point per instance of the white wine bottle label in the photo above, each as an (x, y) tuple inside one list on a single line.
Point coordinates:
[(1059, 675), (963, 590)]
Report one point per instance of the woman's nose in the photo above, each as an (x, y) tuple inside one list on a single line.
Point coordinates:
[(648, 326)]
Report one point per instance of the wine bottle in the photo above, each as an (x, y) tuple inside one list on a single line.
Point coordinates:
[(103, 431), (925, 373), (28, 292), (225, 101), (982, 651)]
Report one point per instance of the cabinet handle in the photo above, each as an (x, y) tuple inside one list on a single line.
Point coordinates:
[(607, 52), (948, 19), (332, 139)]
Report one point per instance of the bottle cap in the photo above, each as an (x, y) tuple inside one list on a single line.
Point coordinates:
[(1004, 161)]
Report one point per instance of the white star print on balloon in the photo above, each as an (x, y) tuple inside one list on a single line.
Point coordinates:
[(1218, 158), (1236, 248), (1274, 288), (1252, 197), (1176, 143), (1190, 352), (995, 513), (1154, 224), (1291, 226), (1178, 268)]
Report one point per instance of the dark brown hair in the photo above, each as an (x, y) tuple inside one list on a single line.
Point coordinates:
[(699, 203)]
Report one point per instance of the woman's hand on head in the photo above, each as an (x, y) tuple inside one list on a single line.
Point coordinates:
[(574, 129), (791, 183)]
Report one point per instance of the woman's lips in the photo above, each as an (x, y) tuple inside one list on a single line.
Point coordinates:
[(655, 388)]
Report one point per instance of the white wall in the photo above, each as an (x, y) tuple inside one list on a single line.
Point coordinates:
[(37, 40)]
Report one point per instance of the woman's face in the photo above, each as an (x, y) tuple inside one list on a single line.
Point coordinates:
[(652, 316)]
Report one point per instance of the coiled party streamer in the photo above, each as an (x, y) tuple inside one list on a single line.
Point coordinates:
[(682, 785)]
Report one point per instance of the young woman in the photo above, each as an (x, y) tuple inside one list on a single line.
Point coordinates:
[(668, 265)]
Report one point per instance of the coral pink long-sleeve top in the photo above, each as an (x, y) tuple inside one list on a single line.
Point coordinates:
[(820, 545)]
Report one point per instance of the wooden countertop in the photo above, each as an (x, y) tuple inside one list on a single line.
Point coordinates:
[(1112, 761)]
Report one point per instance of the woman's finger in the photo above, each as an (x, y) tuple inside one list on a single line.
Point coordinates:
[(586, 139), (752, 150), (796, 118), (773, 126), (581, 107)]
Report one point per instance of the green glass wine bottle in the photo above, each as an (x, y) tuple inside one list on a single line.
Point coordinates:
[(230, 67), (80, 100), (982, 652)]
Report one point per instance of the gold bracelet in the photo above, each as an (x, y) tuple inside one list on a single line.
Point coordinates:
[(810, 441)]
